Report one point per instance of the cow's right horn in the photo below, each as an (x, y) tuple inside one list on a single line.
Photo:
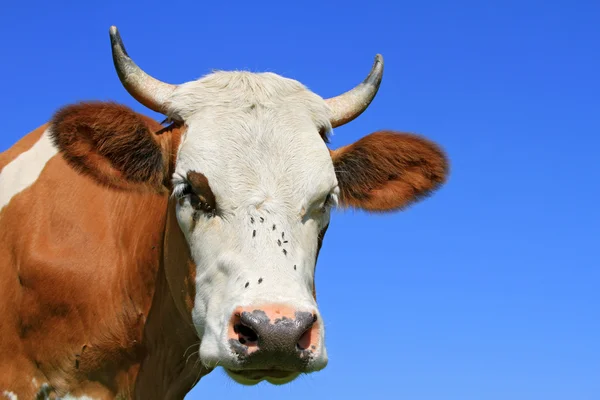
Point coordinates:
[(147, 90), (351, 104)]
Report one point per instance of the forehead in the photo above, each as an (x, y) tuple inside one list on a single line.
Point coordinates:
[(254, 133)]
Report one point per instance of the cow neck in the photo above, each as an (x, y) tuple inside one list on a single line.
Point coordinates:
[(171, 366)]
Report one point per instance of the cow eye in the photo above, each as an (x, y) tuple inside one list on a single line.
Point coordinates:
[(200, 203), (197, 201)]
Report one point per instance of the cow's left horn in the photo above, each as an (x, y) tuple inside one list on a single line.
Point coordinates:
[(149, 91), (351, 104)]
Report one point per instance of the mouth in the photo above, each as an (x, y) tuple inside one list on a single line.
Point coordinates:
[(254, 376)]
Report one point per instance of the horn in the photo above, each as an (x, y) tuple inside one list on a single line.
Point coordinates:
[(351, 104), (147, 90)]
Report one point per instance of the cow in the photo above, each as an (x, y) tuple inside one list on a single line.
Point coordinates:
[(137, 256)]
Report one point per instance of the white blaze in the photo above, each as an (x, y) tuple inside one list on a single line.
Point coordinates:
[(24, 170)]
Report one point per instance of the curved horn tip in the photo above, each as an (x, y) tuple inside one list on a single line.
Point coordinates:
[(149, 91), (376, 70), (115, 39), (354, 102), (115, 36)]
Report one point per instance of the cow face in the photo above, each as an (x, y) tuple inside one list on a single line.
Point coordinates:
[(254, 184)]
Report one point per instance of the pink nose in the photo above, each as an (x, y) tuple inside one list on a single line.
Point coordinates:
[(274, 334)]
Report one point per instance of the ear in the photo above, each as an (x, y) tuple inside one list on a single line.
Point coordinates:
[(387, 171), (114, 144)]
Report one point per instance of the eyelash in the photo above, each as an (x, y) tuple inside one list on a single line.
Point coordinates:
[(182, 190), (186, 190)]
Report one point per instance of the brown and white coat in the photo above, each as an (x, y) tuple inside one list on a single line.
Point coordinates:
[(135, 258)]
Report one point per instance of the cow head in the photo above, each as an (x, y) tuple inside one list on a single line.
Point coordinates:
[(254, 184)]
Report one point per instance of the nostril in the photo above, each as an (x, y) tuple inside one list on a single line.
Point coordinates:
[(245, 333), (306, 339)]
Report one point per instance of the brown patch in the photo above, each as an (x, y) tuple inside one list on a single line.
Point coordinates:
[(179, 268), (79, 264), (387, 171), (205, 197), (114, 144), (77, 274), (190, 286)]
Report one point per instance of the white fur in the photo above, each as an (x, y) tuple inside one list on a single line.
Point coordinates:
[(10, 395), (24, 170), (45, 389), (256, 138)]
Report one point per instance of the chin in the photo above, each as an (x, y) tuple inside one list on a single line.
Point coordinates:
[(252, 377)]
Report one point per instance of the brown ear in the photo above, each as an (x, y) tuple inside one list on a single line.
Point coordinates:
[(387, 171), (113, 144)]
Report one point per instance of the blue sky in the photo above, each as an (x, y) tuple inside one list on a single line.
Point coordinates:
[(487, 290)]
